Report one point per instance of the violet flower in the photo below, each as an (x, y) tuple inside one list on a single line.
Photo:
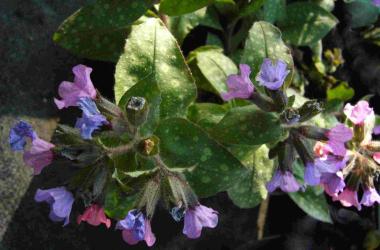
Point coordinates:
[(136, 228), (376, 3), (94, 215), (18, 133), (81, 87), (349, 198), (338, 136), (370, 196), (358, 113), (239, 86), (198, 217), (91, 118), (60, 201), (283, 180), (333, 183), (376, 130), (272, 75), (39, 155)]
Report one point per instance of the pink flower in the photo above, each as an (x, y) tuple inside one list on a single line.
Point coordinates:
[(376, 157), (39, 156), (94, 215), (370, 196), (358, 113), (239, 86), (338, 136), (198, 217), (349, 198), (81, 87)]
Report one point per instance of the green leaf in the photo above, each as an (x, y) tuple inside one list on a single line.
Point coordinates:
[(248, 125), (206, 115), (213, 66), (117, 203), (264, 41), (306, 23), (251, 8), (180, 26), (251, 190), (152, 55), (367, 15), (274, 10), (341, 92), (214, 168), (176, 8), (98, 31)]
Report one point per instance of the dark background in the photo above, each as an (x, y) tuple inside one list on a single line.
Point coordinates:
[(31, 68)]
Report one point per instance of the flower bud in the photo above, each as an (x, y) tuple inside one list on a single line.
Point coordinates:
[(313, 132), (309, 109), (149, 146), (302, 149), (279, 98), (290, 116), (181, 191), (137, 110), (106, 107), (150, 196)]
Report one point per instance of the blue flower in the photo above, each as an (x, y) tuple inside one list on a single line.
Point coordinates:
[(272, 75), (18, 133), (91, 118)]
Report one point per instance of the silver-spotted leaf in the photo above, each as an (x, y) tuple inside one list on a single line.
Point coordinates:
[(152, 55)]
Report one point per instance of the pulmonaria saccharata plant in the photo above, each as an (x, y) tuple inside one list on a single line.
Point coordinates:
[(93, 149)]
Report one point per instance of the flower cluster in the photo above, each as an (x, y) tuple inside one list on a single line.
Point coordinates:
[(83, 147), (345, 157)]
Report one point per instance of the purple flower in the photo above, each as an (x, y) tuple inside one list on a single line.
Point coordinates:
[(39, 156), (333, 183), (376, 129), (81, 87), (338, 136), (376, 3), (239, 86), (312, 176), (358, 113), (283, 180), (370, 196), (136, 228), (349, 198), (272, 75), (198, 217), (60, 201), (91, 118), (18, 133)]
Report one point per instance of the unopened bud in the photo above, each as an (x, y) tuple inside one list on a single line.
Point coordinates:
[(149, 146), (81, 155), (137, 110), (313, 132), (151, 195), (181, 191), (302, 148), (178, 213), (310, 109), (290, 116), (279, 98), (106, 107), (286, 156)]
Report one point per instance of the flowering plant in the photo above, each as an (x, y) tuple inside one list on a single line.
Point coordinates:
[(156, 145)]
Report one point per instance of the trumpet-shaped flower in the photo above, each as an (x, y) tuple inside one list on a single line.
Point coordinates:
[(283, 180), (272, 75), (39, 156), (94, 215), (18, 133), (198, 217), (357, 114), (81, 87), (60, 201), (91, 118), (239, 86)]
